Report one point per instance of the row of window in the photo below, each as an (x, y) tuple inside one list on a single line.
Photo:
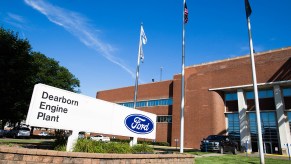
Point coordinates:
[(149, 103), (287, 92), (269, 126), (233, 127), (268, 123), (262, 94), (164, 119)]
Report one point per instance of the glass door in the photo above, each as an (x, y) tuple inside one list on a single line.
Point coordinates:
[(268, 148), (269, 132)]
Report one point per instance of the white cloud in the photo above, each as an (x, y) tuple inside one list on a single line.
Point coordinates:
[(15, 20), (16, 17), (79, 27)]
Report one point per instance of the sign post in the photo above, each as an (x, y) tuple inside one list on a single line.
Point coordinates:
[(288, 150), (72, 140), (55, 108)]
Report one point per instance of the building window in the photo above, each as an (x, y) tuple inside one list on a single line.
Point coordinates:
[(149, 103), (164, 119), (153, 103), (231, 102), (141, 104), (160, 102), (230, 96), (262, 94), (266, 100), (287, 97), (127, 104), (287, 92), (233, 127)]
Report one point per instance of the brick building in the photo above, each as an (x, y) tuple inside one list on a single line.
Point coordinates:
[(219, 100)]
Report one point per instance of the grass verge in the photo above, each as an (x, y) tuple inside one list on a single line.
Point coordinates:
[(237, 159), (28, 143)]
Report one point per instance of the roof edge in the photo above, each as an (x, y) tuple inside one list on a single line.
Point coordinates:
[(239, 57)]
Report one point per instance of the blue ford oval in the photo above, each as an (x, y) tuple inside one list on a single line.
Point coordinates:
[(139, 123)]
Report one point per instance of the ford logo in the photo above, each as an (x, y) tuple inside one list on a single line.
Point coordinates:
[(139, 123)]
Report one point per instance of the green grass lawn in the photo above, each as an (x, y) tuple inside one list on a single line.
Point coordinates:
[(24, 141), (39, 143), (237, 159)]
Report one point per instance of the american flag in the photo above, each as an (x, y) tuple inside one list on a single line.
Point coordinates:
[(185, 13)]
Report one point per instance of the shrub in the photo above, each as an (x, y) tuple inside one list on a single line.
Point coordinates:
[(162, 143), (143, 148), (154, 143), (90, 146), (84, 145), (60, 148), (120, 148), (119, 140), (61, 139)]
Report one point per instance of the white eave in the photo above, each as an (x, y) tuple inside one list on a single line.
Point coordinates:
[(250, 86)]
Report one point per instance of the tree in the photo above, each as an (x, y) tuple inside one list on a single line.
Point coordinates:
[(21, 69), (51, 73), (15, 76)]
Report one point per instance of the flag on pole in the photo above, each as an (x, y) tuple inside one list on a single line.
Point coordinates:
[(248, 8), (185, 13), (140, 57), (143, 36), (144, 41)]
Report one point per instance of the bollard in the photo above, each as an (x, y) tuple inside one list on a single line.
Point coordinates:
[(288, 150), (176, 140), (246, 148)]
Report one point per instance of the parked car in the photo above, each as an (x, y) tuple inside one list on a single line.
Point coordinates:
[(218, 143), (100, 138), (2, 133), (44, 134), (18, 132), (81, 135)]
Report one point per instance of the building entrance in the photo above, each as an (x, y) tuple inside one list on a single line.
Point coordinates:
[(268, 148), (269, 132)]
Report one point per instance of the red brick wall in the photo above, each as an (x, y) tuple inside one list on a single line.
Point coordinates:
[(154, 90), (164, 131), (36, 156), (176, 110)]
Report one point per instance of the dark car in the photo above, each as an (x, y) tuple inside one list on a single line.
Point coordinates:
[(2, 132), (218, 143), (18, 132)]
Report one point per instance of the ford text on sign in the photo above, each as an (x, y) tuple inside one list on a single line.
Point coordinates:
[(51, 107), (139, 124)]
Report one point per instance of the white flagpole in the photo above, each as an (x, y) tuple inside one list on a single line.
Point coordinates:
[(261, 150), (182, 85), (137, 68)]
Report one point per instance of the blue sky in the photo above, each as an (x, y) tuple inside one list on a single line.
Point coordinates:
[(98, 40)]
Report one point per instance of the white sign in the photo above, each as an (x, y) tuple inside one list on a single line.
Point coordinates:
[(52, 107)]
